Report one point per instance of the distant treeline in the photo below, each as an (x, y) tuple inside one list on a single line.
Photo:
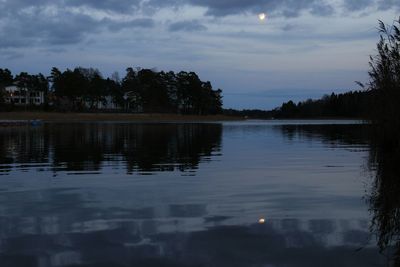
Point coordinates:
[(354, 104), (378, 101), (141, 90), (249, 113)]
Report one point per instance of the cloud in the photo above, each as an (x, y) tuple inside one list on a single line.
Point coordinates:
[(22, 24), (289, 8), (118, 6), (288, 27), (286, 8), (388, 4), (134, 23), (322, 9), (283, 8), (355, 5), (63, 22), (10, 55), (38, 26), (187, 25)]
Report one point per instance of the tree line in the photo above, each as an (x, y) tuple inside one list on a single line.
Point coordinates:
[(353, 104), (378, 101), (140, 90)]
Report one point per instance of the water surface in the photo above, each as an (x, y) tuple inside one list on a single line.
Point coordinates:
[(120, 194)]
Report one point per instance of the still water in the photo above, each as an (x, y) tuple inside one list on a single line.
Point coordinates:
[(120, 194)]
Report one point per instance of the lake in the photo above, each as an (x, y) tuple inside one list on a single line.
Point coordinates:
[(252, 193)]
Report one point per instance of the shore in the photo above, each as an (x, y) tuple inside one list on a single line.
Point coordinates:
[(117, 117)]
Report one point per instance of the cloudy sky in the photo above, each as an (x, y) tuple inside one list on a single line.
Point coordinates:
[(304, 49)]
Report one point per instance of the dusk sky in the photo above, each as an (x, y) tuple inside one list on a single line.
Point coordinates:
[(303, 49)]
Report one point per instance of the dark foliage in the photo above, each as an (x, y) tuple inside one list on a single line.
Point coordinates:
[(354, 104), (6, 79), (385, 151), (141, 90)]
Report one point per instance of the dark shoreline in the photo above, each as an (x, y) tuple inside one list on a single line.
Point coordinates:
[(116, 117)]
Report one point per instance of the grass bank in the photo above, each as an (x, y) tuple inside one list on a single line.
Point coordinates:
[(117, 117)]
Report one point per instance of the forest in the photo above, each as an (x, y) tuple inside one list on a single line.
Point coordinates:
[(140, 90), (352, 104)]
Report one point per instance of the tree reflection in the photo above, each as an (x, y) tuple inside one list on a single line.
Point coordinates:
[(385, 196), (384, 163), (342, 134), (89, 147), (104, 226)]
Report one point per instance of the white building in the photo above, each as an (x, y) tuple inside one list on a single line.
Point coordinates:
[(108, 103), (21, 96)]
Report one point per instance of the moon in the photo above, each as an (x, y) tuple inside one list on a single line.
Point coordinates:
[(262, 16)]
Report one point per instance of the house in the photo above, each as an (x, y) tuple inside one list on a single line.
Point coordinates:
[(107, 103), (23, 96)]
